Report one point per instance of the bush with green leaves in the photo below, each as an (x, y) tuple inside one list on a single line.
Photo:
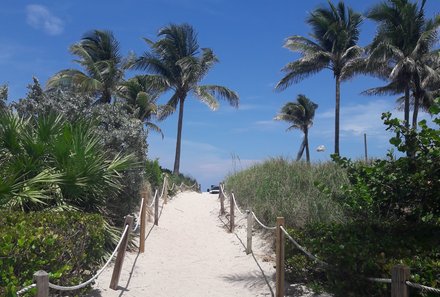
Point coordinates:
[(153, 174), (359, 250), (68, 245), (407, 187)]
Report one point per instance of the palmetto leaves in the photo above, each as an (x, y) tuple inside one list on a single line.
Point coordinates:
[(49, 163)]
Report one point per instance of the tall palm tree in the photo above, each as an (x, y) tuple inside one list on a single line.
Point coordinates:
[(141, 99), (99, 55), (335, 33), (178, 64), (402, 48), (300, 114)]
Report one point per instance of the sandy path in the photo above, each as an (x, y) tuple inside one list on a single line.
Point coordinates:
[(191, 253)]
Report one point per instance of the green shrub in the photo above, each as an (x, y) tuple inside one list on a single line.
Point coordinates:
[(68, 245), (407, 187), (279, 187), (153, 174), (356, 251)]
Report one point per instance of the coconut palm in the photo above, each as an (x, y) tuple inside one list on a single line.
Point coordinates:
[(300, 114), (402, 52), (335, 33), (177, 63), (141, 100), (99, 55)]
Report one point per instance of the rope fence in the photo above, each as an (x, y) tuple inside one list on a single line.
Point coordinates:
[(400, 274), (41, 278)]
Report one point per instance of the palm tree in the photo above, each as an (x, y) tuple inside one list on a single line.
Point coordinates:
[(402, 48), (141, 100), (333, 46), (300, 114), (178, 64), (99, 55)]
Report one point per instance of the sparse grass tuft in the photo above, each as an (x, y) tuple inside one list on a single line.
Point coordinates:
[(299, 192)]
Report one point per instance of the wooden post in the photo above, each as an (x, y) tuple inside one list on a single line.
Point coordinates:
[(231, 213), (222, 200), (121, 254), (250, 223), (41, 278), (279, 258), (143, 222), (156, 211), (165, 191), (399, 275)]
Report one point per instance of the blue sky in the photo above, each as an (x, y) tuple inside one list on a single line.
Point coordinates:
[(246, 36)]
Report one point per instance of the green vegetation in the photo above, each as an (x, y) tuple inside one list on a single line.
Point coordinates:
[(69, 245), (360, 218), (279, 187), (48, 163)]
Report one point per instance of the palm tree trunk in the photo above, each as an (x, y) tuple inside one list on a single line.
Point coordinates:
[(416, 112), (301, 150), (406, 107), (337, 108), (306, 140), (179, 136)]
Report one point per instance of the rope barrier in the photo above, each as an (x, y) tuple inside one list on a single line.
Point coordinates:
[(154, 199), (302, 249), (422, 287), (24, 290), (138, 220), (235, 203), (82, 285), (380, 280), (261, 224)]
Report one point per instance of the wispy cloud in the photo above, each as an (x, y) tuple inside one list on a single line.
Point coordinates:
[(39, 17)]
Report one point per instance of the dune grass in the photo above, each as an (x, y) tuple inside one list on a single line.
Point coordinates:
[(300, 192)]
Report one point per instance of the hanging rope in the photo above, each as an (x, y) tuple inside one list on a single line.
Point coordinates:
[(302, 249), (154, 199), (235, 203), (138, 217), (24, 290), (82, 285), (261, 224)]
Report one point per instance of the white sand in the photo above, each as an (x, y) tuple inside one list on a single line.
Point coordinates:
[(191, 253)]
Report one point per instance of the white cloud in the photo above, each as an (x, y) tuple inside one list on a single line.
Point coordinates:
[(39, 17)]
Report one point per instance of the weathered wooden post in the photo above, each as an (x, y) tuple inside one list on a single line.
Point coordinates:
[(279, 291), (399, 275), (41, 279), (231, 213), (165, 190), (250, 223), (156, 210), (143, 222), (121, 254), (222, 199)]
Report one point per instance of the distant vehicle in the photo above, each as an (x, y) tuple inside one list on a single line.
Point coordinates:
[(214, 189)]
